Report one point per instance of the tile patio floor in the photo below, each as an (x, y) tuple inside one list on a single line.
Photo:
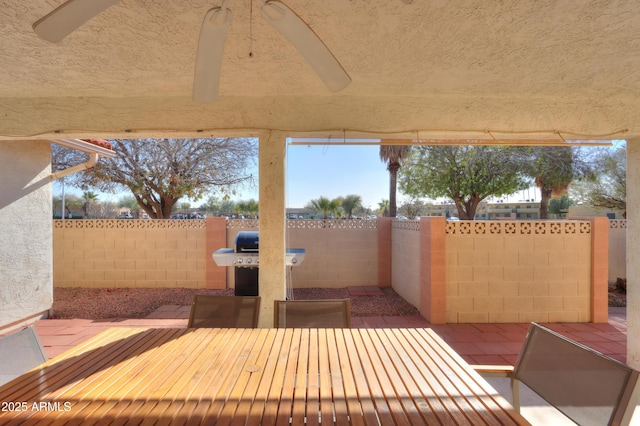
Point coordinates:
[(476, 343)]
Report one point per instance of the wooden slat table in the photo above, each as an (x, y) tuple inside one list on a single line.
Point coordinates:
[(258, 376)]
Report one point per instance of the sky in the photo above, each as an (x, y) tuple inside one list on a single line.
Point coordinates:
[(330, 171)]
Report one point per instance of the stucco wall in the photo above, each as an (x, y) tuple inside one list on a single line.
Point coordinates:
[(25, 204), (617, 249), (405, 260), (518, 272)]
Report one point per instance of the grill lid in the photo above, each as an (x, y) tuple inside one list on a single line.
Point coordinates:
[(247, 241)]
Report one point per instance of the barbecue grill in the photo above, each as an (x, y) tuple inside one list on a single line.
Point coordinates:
[(245, 257)]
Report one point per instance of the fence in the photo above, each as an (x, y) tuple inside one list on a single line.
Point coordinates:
[(177, 253), (452, 271)]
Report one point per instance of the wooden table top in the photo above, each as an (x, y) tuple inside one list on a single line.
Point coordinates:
[(256, 376)]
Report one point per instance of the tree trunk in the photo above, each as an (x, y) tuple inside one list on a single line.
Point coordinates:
[(393, 175), (467, 211), (545, 196)]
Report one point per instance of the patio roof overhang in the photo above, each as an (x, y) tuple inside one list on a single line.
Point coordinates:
[(427, 68)]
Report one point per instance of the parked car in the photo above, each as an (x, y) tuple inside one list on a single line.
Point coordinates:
[(125, 216)]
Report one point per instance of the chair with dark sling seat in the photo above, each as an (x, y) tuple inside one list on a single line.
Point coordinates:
[(224, 311)]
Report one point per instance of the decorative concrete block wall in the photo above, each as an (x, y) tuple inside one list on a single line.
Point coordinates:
[(455, 272), (520, 272), (339, 253), (177, 253), (129, 253)]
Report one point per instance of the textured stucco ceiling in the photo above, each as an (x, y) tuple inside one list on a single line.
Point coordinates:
[(433, 66)]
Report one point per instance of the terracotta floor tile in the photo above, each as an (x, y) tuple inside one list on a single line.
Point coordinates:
[(490, 360), (513, 348), (466, 348), (373, 291), (608, 348), (491, 348), (488, 328), (514, 337), (357, 291), (513, 328)]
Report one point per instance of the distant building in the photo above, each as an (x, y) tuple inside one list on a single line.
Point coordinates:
[(528, 210), (590, 211)]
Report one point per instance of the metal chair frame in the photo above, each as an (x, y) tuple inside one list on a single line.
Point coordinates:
[(24, 351), (585, 385)]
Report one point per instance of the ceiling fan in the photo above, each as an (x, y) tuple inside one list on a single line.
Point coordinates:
[(72, 14)]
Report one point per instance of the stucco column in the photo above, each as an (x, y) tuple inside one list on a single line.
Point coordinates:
[(26, 252), (633, 253), (272, 279)]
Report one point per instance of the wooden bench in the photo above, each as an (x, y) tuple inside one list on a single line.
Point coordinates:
[(585, 385)]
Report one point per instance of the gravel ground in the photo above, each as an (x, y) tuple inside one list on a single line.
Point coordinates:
[(103, 303)]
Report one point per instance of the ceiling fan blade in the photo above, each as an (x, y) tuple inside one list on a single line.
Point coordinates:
[(308, 44), (209, 55), (68, 17)]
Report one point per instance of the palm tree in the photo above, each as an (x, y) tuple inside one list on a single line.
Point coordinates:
[(88, 197), (325, 206), (393, 156), (383, 207), (554, 170)]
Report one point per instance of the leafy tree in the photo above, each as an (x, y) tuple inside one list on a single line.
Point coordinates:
[(217, 205), (247, 207), (465, 174), (63, 158), (393, 156), (609, 189), (553, 169), (159, 172), (71, 202), (412, 208), (350, 203), (128, 201), (227, 206), (104, 210)]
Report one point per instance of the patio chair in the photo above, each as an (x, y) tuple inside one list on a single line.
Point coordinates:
[(224, 312), (312, 313), (20, 352), (585, 385)]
